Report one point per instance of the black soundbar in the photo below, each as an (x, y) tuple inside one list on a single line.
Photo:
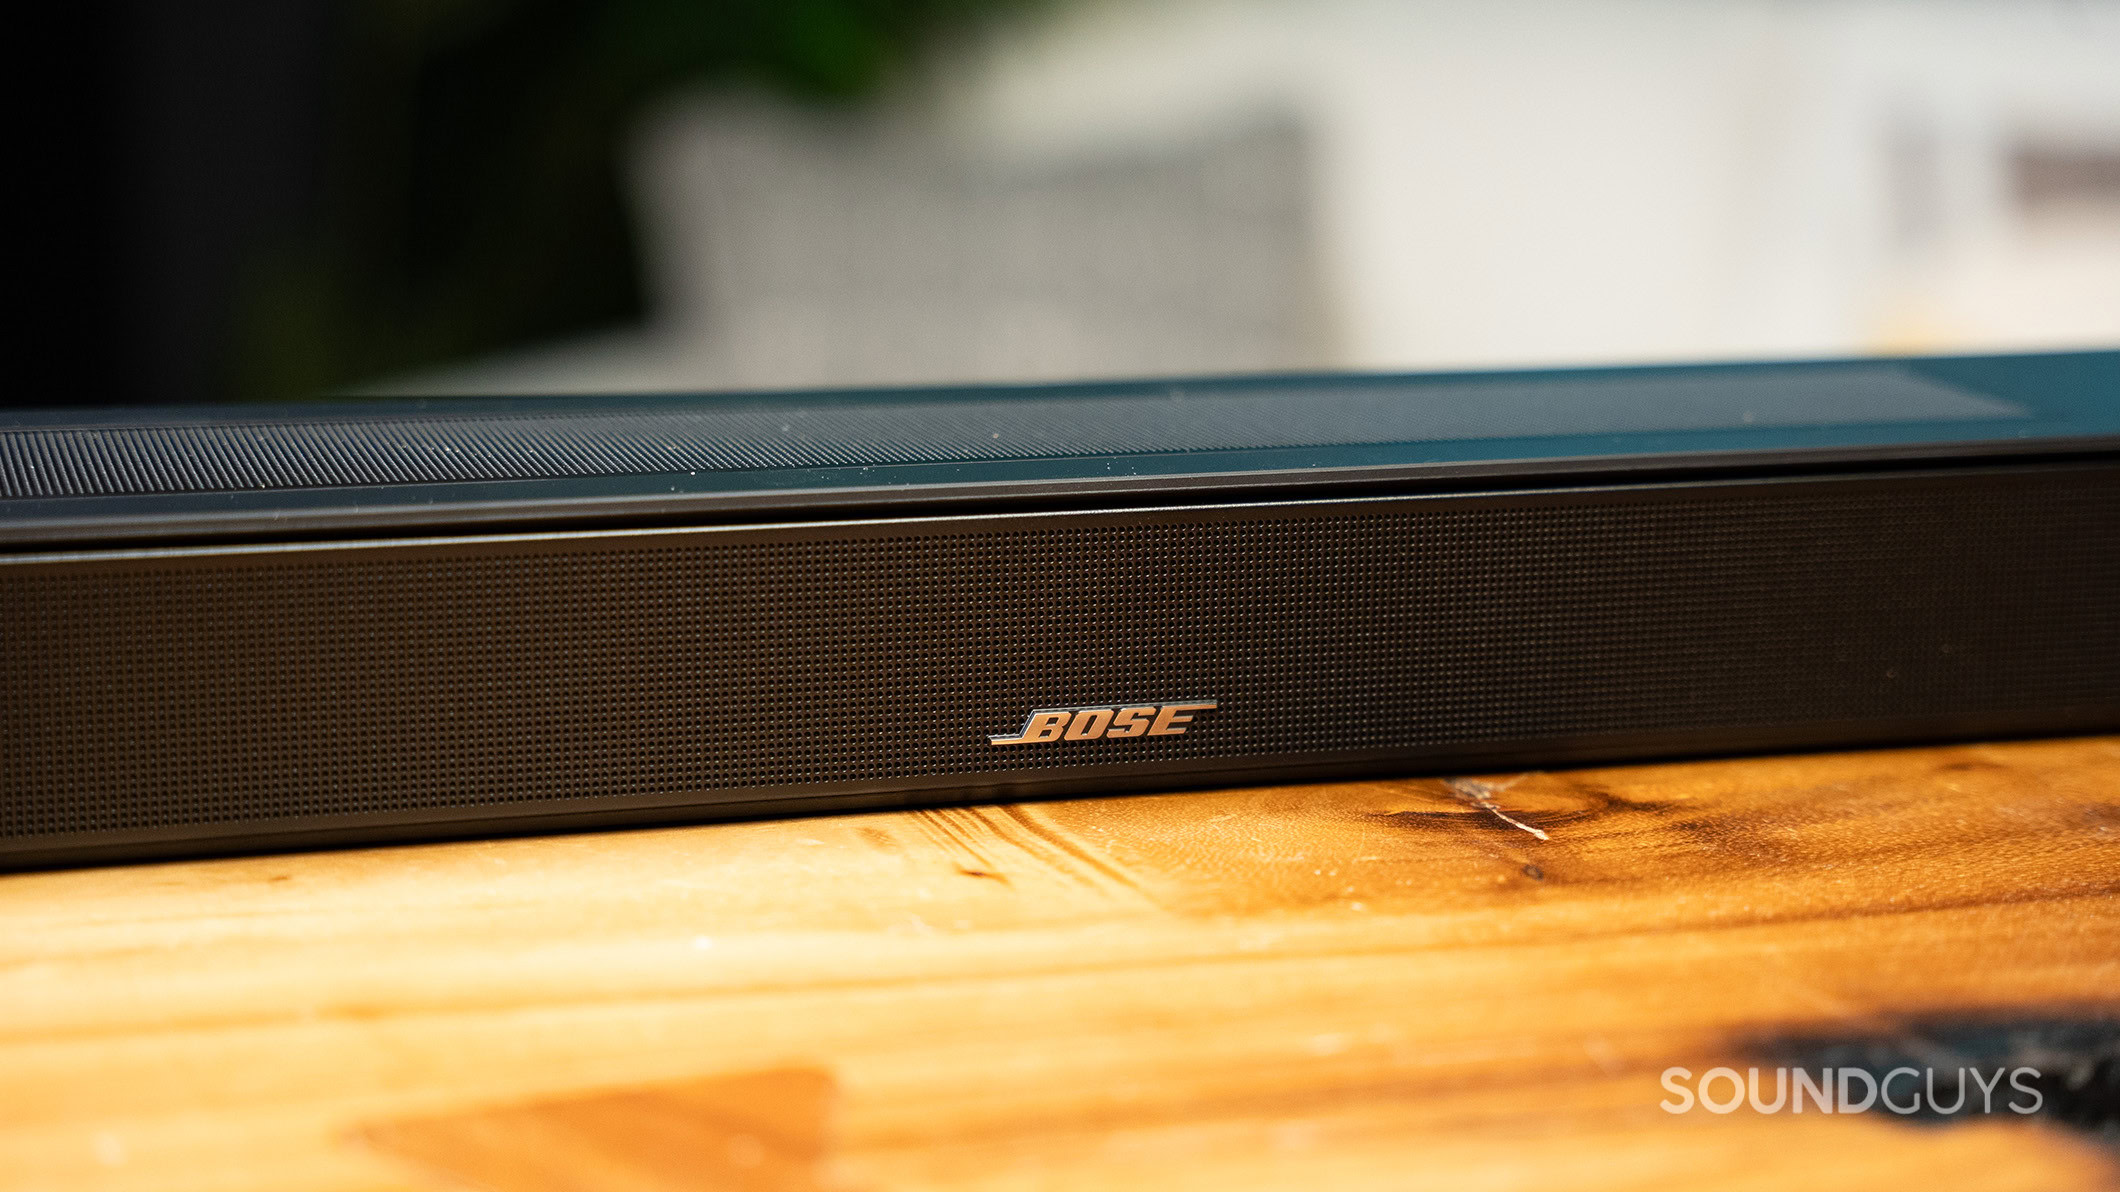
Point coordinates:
[(245, 627)]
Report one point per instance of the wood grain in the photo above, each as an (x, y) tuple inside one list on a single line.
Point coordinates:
[(762, 1131), (1472, 983)]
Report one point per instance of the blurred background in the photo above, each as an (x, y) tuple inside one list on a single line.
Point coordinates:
[(275, 199)]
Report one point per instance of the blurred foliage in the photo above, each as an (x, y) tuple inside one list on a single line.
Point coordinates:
[(471, 198)]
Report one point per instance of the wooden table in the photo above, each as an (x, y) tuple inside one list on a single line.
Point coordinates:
[(1465, 983)]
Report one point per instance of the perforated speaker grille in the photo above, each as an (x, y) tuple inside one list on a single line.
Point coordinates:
[(233, 688), (607, 438)]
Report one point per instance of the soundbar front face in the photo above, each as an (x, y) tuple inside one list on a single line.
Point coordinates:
[(424, 641)]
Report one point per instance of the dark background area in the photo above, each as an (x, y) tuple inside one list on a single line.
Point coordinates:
[(271, 198)]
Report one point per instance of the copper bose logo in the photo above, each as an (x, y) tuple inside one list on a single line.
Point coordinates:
[(1091, 724)]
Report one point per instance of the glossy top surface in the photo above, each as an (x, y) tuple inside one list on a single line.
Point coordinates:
[(411, 465)]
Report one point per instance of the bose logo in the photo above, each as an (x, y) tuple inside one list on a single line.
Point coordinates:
[(1090, 724)]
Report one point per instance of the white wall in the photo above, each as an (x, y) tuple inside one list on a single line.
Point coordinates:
[(1540, 180)]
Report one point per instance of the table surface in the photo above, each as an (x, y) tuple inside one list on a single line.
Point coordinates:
[(1468, 982)]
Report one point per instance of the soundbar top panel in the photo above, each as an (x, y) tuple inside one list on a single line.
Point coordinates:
[(413, 466)]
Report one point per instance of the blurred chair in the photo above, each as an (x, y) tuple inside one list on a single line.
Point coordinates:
[(795, 248)]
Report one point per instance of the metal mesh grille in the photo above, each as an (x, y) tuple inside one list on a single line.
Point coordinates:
[(149, 692), (601, 439)]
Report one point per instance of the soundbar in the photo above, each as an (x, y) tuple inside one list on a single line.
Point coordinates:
[(247, 628)]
